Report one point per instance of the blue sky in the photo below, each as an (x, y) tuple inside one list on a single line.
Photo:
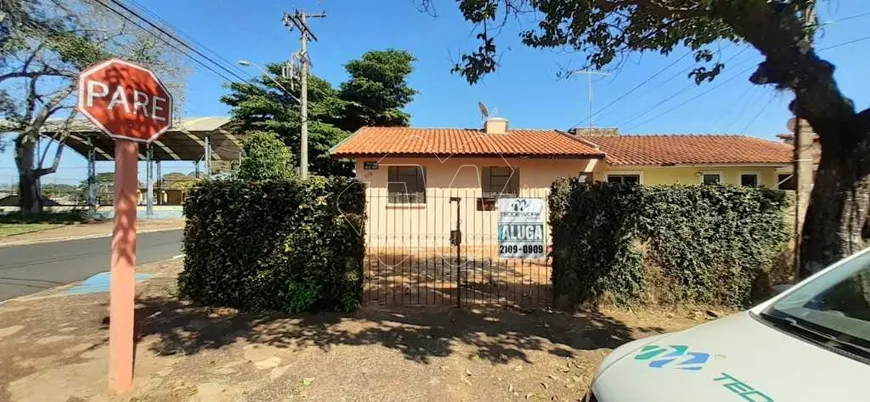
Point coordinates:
[(525, 89)]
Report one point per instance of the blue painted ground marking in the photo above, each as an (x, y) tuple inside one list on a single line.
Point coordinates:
[(99, 283)]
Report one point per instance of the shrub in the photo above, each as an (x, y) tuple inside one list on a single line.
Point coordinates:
[(266, 158), (630, 244), (275, 245)]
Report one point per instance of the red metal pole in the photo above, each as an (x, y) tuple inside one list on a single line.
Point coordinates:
[(121, 299)]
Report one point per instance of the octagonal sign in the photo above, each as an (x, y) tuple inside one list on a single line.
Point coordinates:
[(126, 101)]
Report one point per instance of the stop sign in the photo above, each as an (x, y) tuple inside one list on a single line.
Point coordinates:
[(125, 100)]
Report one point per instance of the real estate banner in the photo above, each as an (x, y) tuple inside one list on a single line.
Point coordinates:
[(521, 228)]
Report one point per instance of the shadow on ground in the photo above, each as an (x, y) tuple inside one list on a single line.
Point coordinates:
[(498, 335)]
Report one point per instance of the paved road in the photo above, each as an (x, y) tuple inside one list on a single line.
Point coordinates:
[(31, 268)]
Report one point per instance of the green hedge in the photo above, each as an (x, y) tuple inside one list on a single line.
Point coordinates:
[(663, 244), (275, 245)]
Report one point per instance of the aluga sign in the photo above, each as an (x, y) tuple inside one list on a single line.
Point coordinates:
[(521, 228)]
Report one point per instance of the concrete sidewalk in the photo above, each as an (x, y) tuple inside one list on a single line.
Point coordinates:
[(87, 231)]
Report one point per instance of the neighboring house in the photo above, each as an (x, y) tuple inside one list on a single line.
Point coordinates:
[(692, 159), (421, 180)]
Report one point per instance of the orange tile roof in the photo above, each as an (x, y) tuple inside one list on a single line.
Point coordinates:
[(691, 149), (465, 142)]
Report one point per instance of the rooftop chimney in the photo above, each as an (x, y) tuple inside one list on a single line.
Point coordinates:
[(495, 125)]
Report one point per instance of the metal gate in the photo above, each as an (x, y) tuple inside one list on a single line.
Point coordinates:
[(441, 248)]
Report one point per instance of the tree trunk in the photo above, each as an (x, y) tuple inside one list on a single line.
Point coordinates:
[(28, 181), (836, 223)]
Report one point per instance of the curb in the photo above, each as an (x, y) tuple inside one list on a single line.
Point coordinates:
[(84, 237), (56, 291)]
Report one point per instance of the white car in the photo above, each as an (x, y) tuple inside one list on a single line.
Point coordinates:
[(809, 343)]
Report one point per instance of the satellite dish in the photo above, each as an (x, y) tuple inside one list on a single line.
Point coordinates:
[(483, 111)]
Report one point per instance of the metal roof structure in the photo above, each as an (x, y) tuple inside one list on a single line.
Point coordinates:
[(185, 141)]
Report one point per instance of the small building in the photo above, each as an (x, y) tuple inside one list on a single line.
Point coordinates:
[(425, 182), (692, 159)]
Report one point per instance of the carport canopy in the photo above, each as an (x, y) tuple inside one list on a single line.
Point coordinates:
[(186, 140), (190, 139)]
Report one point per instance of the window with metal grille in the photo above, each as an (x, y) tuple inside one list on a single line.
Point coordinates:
[(749, 179), (406, 184), (711, 178), (624, 178), (497, 181)]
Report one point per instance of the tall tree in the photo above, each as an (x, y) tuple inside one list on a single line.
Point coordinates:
[(374, 95), (265, 105), (43, 47), (377, 89), (837, 219)]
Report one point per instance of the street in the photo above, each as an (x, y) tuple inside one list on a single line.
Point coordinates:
[(31, 268)]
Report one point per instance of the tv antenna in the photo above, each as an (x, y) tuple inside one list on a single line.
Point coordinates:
[(589, 74)]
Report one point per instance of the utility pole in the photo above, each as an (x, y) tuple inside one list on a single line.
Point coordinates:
[(802, 170), (298, 20), (589, 74)]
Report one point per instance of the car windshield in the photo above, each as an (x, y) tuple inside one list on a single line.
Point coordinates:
[(834, 306)]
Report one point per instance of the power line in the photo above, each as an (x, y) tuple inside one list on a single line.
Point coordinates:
[(680, 92), (661, 84), (851, 17), (674, 95), (757, 115), (844, 43), (738, 104), (130, 20), (693, 98), (173, 37), (189, 37), (715, 87), (685, 55), (636, 87)]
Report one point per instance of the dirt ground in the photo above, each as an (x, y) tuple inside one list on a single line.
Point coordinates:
[(54, 348), (85, 230)]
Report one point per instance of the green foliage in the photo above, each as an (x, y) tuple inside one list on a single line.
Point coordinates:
[(605, 30), (377, 90), (44, 44), (696, 244), (374, 95), (266, 158), (281, 245)]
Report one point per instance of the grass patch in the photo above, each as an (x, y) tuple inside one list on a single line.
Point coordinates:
[(12, 229), (17, 224), (46, 217)]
